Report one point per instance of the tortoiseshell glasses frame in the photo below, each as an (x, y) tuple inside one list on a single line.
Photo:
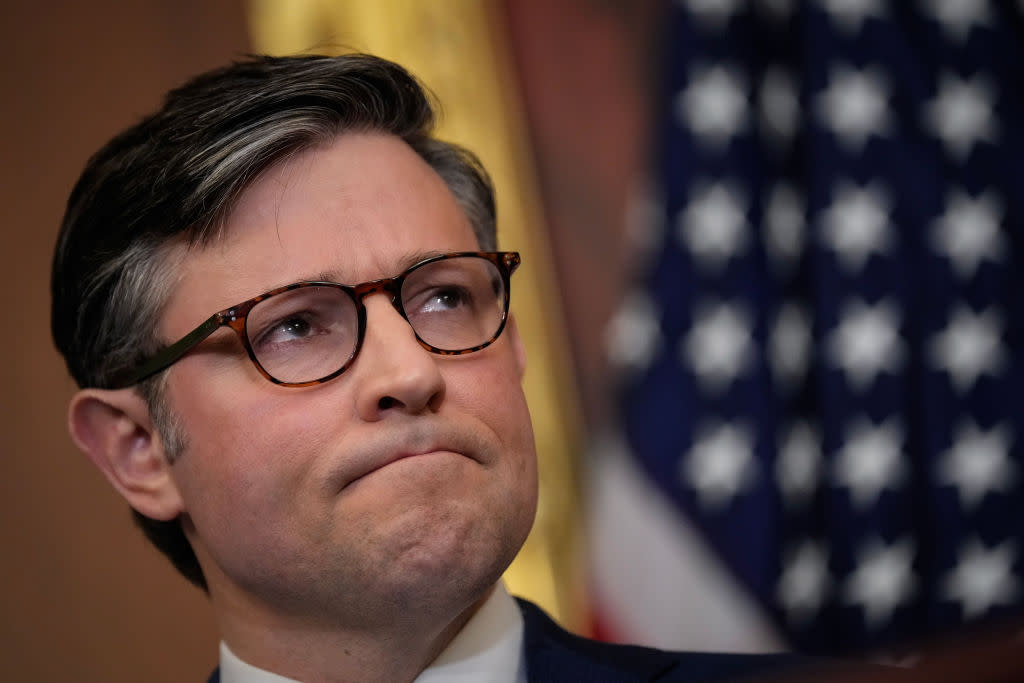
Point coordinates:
[(483, 303)]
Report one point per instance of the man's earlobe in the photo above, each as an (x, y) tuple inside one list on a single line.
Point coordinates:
[(115, 430)]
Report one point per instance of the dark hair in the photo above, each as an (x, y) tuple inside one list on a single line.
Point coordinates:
[(175, 176)]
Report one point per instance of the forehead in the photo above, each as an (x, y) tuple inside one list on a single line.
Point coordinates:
[(360, 207)]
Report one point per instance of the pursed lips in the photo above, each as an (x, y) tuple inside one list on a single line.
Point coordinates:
[(402, 444), (410, 454)]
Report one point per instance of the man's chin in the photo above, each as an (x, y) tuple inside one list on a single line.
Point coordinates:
[(449, 561)]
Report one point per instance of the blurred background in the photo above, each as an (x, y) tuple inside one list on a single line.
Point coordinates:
[(772, 256)]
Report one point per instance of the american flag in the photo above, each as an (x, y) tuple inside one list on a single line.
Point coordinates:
[(822, 365)]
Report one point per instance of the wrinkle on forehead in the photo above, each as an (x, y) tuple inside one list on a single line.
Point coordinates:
[(307, 171), (290, 171), (388, 267)]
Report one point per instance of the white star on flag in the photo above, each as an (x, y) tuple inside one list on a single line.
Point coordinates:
[(633, 335), (779, 107), (855, 105), (857, 224), (968, 232), (871, 460), (978, 462), (866, 342), (983, 578), (804, 581), (798, 468), (712, 13), (961, 114), (784, 225), (713, 226), (720, 464), (718, 346), (850, 15), (714, 104), (958, 17), (969, 347), (790, 345), (883, 580)]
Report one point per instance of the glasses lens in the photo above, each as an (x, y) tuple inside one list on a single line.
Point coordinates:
[(455, 304), (304, 334)]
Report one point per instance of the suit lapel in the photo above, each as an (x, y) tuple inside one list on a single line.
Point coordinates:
[(554, 655)]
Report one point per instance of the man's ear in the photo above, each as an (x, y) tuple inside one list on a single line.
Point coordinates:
[(517, 344), (114, 428)]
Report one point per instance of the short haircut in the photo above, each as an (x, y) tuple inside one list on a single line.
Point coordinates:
[(175, 176)]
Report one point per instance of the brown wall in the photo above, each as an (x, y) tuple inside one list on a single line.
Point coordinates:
[(84, 598)]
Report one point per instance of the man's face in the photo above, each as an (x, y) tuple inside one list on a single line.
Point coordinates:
[(409, 478)]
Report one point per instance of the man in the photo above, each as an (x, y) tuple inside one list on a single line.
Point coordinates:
[(347, 469)]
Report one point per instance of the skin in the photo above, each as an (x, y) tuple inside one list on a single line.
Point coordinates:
[(351, 527)]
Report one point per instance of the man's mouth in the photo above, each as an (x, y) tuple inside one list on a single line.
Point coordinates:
[(404, 444)]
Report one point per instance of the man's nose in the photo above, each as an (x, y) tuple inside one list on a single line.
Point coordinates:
[(397, 373)]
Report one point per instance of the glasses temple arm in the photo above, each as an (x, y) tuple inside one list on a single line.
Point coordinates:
[(167, 356)]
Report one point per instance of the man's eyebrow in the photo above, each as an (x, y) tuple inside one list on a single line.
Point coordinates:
[(413, 257), (402, 264)]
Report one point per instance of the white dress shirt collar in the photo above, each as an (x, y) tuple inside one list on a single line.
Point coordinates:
[(488, 649)]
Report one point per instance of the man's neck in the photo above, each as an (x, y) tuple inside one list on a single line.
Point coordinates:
[(305, 652)]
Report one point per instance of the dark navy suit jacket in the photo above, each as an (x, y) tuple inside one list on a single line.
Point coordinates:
[(553, 655)]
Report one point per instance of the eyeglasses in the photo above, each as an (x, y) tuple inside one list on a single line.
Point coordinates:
[(310, 332)]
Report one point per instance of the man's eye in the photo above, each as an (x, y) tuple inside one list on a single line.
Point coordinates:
[(283, 331), (294, 327), (446, 299), (443, 300)]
